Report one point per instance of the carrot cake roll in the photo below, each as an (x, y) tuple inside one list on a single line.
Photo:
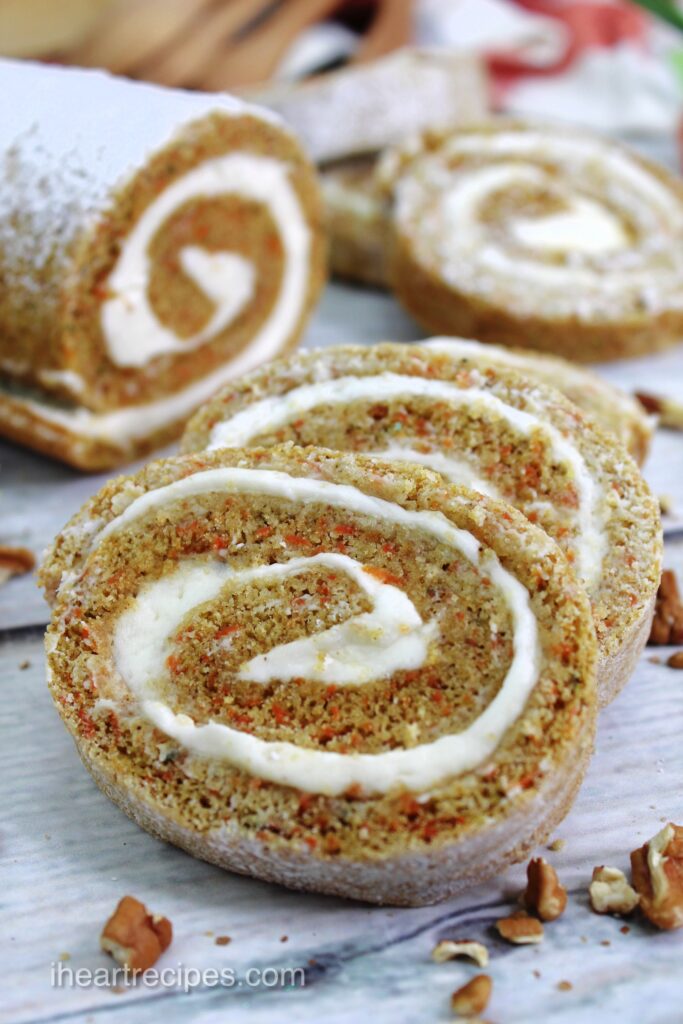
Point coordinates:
[(323, 670), (537, 235), (147, 255), (479, 425)]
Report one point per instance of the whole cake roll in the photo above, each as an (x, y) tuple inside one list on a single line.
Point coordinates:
[(153, 243), (536, 235), (487, 427), (324, 672)]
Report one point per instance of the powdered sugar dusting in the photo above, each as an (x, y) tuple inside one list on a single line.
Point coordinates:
[(70, 138)]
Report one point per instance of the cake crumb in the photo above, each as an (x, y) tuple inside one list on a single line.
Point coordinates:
[(557, 845), (284, 938), (23, 665), (676, 660), (625, 929), (64, 957), (223, 940), (564, 986)]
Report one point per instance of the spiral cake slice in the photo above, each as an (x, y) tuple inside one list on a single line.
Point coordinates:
[(482, 426), (323, 671), (537, 235), (146, 257)]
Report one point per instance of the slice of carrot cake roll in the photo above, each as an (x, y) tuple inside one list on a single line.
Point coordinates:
[(153, 244), (483, 426), (537, 235), (323, 670)]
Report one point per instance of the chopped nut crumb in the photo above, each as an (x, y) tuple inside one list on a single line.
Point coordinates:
[(223, 940), (449, 949), (23, 665), (657, 869), (520, 929), (134, 937), (284, 938), (472, 999), (610, 893)]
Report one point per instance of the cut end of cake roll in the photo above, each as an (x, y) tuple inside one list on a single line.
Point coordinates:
[(537, 235), (147, 260), (323, 671), (481, 425)]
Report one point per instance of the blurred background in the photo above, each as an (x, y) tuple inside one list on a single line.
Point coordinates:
[(613, 65)]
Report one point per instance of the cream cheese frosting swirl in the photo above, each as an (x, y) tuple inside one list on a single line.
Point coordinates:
[(268, 414), (133, 333), (362, 648), (547, 220)]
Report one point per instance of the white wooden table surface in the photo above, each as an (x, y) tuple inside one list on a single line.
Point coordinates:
[(67, 855)]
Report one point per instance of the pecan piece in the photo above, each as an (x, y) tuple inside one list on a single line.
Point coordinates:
[(449, 949), (544, 895), (610, 893), (134, 937), (472, 999), (15, 562), (667, 622), (520, 929), (657, 869), (669, 411)]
